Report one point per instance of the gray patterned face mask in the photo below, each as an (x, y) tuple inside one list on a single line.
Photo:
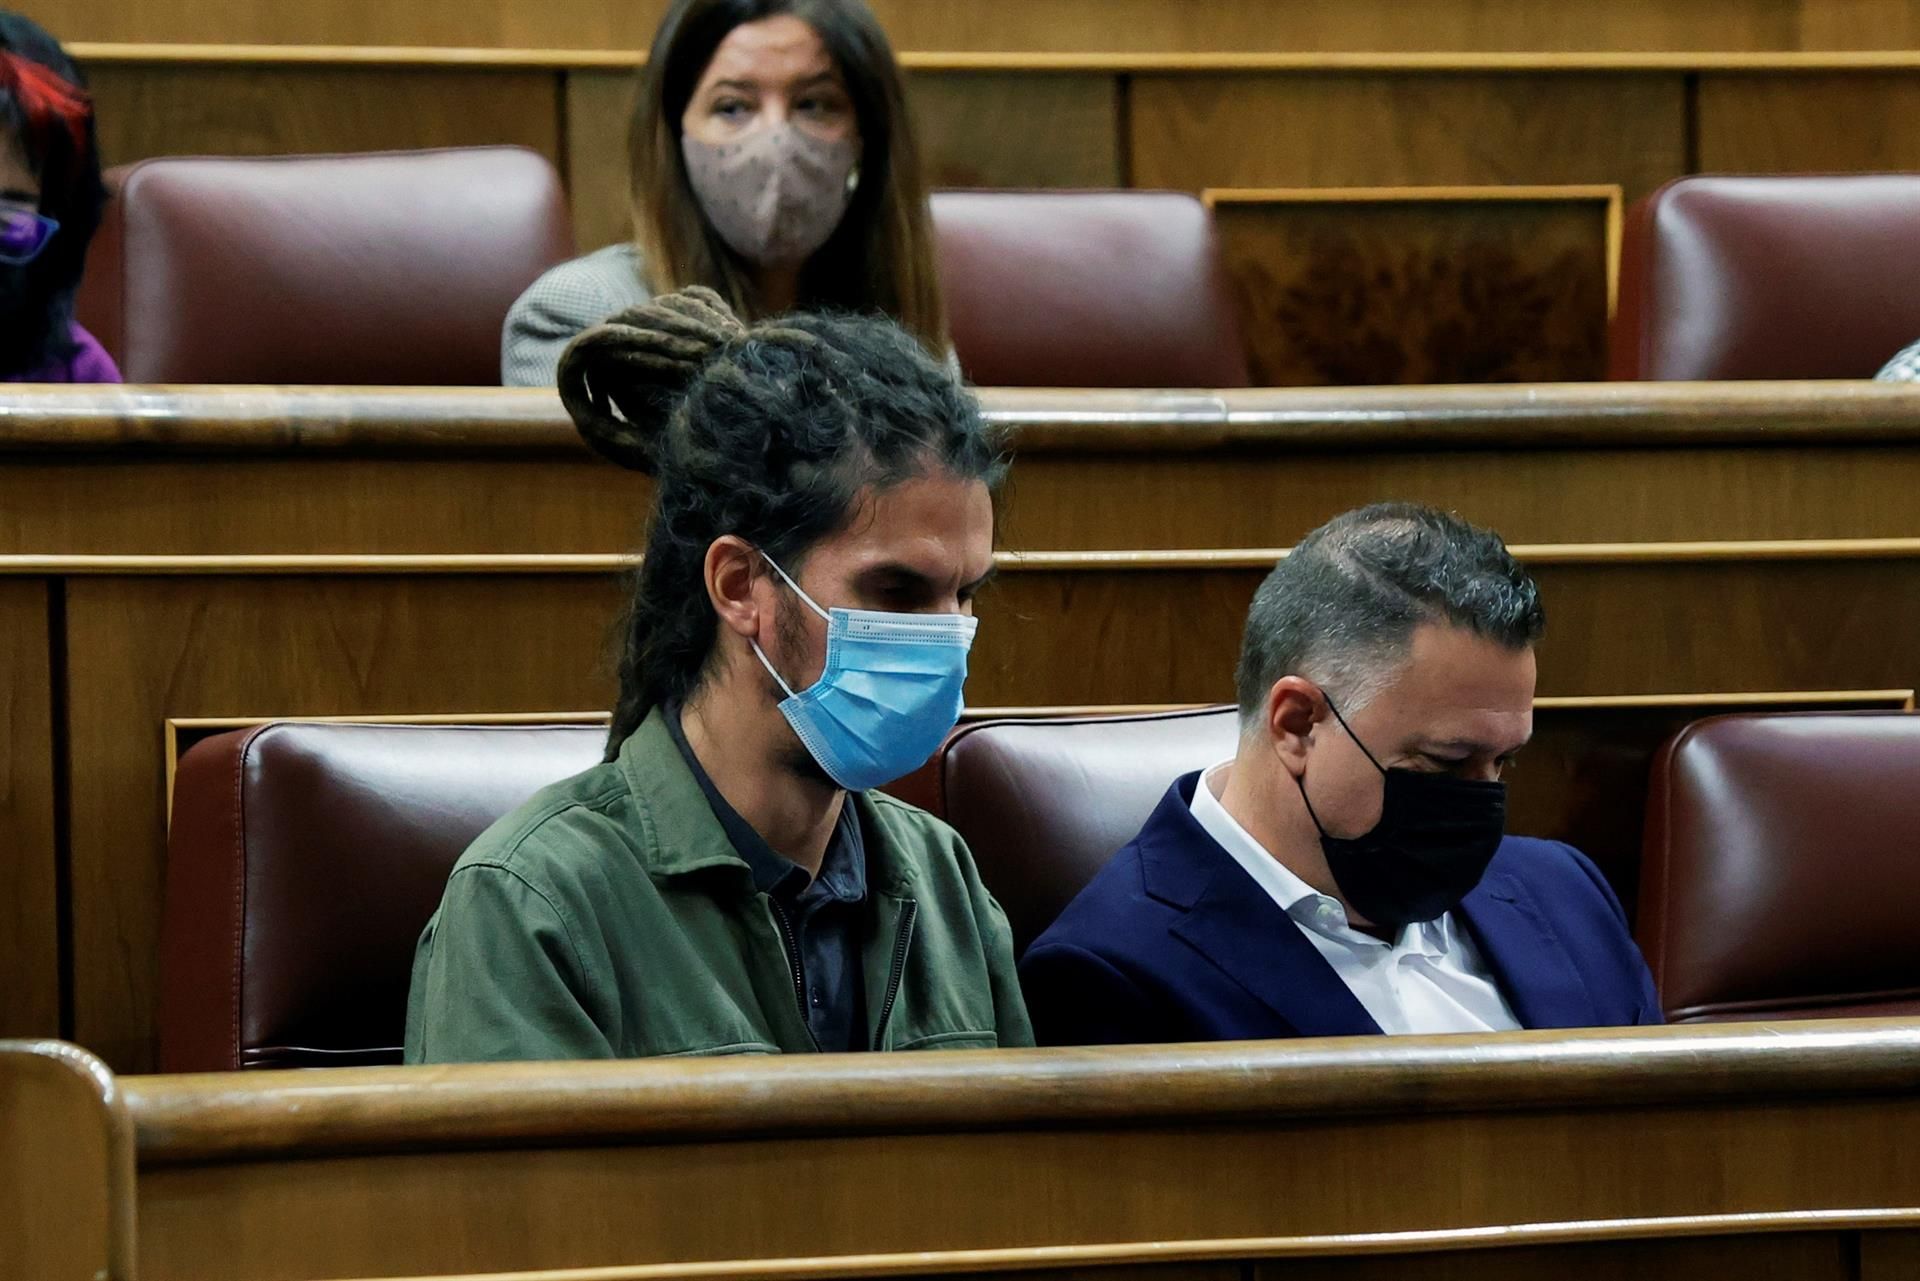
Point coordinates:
[(775, 195)]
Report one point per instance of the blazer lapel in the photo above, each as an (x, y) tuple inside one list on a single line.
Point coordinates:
[(1235, 924), (1536, 973)]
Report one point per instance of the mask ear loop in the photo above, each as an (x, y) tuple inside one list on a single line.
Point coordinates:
[(1300, 781), (1350, 734), (797, 591)]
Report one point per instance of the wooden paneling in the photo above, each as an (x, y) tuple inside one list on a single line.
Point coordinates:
[(1783, 1150), (144, 650), (1385, 130), (909, 1194), (1448, 285), (1813, 1257), (259, 507), (383, 471), (29, 942), (1890, 1256), (1013, 129), (599, 106), (1114, 635), (1600, 495), (1059, 26), (1808, 123), (1175, 498), (990, 1163), (165, 110), (66, 1167)]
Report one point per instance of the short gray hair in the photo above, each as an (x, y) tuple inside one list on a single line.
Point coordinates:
[(1341, 609)]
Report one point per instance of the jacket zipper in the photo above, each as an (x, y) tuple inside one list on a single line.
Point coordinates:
[(894, 975), (793, 966)]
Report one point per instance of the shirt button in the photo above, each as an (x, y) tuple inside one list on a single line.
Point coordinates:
[(814, 996)]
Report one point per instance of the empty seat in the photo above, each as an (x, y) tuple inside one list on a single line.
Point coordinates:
[(1043, 804), (302, 863), (1769, 277), (1781, 877), (1086, 289), (382, 268)]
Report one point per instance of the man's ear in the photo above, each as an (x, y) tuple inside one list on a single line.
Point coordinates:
[(1294, 706), (734, 578)]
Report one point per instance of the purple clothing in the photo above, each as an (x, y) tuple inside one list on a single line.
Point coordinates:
[(89, 363)]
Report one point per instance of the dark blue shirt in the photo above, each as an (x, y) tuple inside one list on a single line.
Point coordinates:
[(820, 916)]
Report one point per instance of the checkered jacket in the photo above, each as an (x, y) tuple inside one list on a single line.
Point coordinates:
[(1904, 368), (572, 297)]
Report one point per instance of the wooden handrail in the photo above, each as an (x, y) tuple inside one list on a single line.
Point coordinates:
[(437, 422), (1143, 560), (247, 1116), (1094, 63)]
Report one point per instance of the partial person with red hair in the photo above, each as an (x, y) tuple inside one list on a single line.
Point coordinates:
[(51, 197)]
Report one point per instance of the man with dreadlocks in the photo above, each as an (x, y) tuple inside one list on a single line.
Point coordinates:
[(50, 202), (727, 881)]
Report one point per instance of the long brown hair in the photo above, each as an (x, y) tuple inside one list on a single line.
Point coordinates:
[(881, 257)]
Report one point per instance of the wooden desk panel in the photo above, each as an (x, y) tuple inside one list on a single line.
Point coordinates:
[(249, 471), (29, 919), (1367, 129), (1595, 1149), (265, 111), (1011, 29), (910, 1194), (1740, 1151), (66, 1166)]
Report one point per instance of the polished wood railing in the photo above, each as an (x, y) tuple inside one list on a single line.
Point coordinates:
[(1733, 1151)]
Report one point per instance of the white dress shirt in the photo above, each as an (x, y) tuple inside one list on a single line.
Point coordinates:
[(1431, 979)]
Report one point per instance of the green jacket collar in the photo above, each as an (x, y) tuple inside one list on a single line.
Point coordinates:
[(680, 834)]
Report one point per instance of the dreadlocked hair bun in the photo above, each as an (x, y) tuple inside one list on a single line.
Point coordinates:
[(622, 380)]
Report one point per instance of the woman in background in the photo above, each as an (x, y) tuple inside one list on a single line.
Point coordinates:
[(773, 162), (50, 203)]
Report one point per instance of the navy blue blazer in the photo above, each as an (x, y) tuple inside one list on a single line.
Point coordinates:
[(1173, 941)]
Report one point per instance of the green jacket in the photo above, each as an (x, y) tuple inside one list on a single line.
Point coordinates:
[(609, 917)]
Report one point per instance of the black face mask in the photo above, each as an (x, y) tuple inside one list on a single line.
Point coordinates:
[(1433, 842)]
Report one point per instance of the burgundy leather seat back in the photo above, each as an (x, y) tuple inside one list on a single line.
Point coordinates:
[(1781, 873), (1086, 289), (1769, 277), (381, 268), (303, 862), (1043, 804)]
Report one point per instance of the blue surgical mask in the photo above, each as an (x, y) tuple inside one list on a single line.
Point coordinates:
[(888, 696)]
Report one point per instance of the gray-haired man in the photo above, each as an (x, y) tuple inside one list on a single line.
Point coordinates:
[(1348, 872)]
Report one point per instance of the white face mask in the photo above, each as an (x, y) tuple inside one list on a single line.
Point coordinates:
[(776, 194)]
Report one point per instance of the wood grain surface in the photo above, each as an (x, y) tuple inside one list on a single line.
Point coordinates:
[(1054, 26), (259, 111), (66, 1166), (985, 1163), (1808, 124), (29, 900), (1350, 129), (1427, 286)]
